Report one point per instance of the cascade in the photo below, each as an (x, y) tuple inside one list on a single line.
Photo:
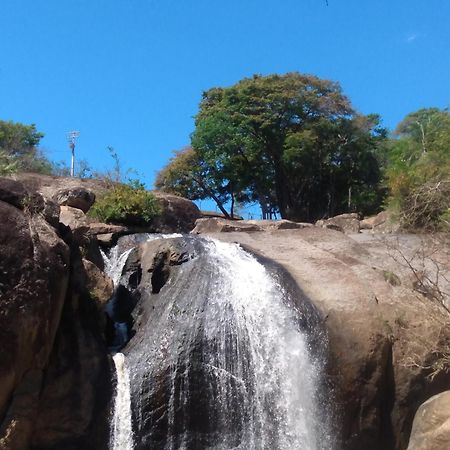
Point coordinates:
[(121, 430), (226, 356), (121, 427)]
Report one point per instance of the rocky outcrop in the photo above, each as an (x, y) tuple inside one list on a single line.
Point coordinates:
[(217, 225), (384, 337), (34, 268), (77, 197), (383, 222), (51, 350), (348, 223), (431, 427), (178, 214), (220, 225)]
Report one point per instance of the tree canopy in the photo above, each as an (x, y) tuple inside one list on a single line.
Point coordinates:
[(19, 148), (419, 168), (290, 142)]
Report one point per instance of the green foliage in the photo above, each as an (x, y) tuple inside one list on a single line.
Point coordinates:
[(291, 142), (187, 175), (126, 204), (418, 174), (19, 147), (8, 165)]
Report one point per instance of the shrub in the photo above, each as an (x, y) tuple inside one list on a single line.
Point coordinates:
[(126, 204), (426, 206), (8, 165)]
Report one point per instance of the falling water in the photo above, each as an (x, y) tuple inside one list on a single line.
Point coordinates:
[(121, 430), (122, 435), (223, 360)]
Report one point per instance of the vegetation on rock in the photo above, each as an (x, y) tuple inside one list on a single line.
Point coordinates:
[(126, 203)]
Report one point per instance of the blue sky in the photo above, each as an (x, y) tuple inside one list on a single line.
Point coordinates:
[(130, 73)]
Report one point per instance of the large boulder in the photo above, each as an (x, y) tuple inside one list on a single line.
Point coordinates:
[(282, 224), (383, 222), (178, 214), (431, 426), (348, 223), (77, 221), (76, 197), (34, 271), (55, 383), (217, 225)]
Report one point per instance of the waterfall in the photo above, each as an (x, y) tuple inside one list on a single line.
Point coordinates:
[(121, 429), (122, 435), (226, 357)]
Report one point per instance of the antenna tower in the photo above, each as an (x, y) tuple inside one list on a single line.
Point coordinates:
[(71, 137)]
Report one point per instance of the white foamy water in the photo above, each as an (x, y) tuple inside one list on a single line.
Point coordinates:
[(230, 346), (122, 434)]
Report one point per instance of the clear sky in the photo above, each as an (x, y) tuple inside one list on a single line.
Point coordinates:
[(130, 73)]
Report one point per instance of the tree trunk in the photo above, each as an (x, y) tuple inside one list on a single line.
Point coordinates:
[(211, 194)]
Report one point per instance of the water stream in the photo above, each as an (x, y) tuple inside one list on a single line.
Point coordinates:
[(226, 357)]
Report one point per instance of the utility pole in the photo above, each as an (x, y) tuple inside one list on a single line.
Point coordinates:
[(72, 136)]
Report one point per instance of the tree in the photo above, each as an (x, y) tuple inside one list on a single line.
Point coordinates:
[(292, 141), (188, 176), (19, 144), (419, 169)]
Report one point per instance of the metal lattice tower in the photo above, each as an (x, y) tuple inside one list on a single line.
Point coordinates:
[(71, 137)]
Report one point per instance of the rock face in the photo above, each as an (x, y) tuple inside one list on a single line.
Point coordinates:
[(383, 337), (77, 197), (51, 349), (220, 225), (178, 214), (348, 223), (217, 225), (381, 223), (431, 427)]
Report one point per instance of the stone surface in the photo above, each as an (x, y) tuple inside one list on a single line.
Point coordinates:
[(12, 192), (55, 383), (383, 222), (77, 221), (348, 223), (382, 337), (217, 225), (431, 426), (98, 284), (75, 197), (34, 273), (281, 224), (178, 214)]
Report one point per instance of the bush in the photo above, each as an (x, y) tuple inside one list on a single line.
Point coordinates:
[(426, 206), (126, 204), (8, 165)]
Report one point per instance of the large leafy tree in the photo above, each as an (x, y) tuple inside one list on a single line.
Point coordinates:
[(292, 141), (19, 148), (419, 168)]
